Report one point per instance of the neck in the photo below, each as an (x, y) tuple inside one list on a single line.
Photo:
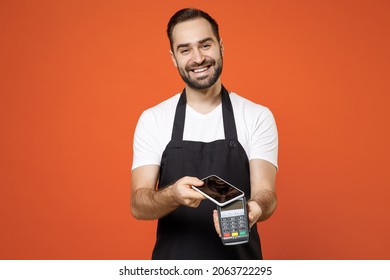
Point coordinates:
[(204, 100)]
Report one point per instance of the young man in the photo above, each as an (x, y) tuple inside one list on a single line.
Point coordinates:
[(205, 130)]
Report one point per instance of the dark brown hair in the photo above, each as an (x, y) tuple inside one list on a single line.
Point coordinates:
[(190, 14)]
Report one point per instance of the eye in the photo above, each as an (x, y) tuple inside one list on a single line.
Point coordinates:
[(184, 51), (206, 46)]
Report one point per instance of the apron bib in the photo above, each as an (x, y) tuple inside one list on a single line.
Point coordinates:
[(189, 233)]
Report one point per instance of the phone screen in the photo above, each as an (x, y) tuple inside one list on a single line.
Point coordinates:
[(219, 190)]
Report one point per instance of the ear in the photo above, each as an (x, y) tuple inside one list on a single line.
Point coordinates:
[(221, 46), (173, 58)]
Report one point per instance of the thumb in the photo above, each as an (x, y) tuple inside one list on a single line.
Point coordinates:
[(216, 222), (197, 182)]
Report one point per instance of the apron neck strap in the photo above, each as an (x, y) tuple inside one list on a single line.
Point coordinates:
[(227, 114)]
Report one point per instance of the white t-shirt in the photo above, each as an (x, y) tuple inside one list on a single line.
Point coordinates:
[(256, 129)]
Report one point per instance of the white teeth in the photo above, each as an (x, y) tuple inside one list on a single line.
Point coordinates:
[(200, 70)]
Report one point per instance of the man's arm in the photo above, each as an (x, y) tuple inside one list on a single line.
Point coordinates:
[(147, 203), (262, 202)]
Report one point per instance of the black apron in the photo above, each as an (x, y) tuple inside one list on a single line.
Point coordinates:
[(189, 233)]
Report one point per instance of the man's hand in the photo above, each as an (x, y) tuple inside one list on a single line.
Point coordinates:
[(149, 204), (184, 194), (216, 222), (254, 213)]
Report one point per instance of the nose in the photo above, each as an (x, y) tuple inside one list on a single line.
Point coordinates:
[(198, 57)]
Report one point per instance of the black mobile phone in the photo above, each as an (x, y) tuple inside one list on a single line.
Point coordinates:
[(218, 190), (233, 221)]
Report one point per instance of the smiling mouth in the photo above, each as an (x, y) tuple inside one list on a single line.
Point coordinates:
[(200, 70)]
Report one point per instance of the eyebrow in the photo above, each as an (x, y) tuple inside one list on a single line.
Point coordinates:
[(199, 42)]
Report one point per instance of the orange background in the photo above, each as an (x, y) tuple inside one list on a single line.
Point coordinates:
[(76, 75)]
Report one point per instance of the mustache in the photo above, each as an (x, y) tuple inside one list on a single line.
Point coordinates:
[(207, 62)]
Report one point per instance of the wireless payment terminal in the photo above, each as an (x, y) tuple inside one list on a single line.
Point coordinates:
[(233, 221)]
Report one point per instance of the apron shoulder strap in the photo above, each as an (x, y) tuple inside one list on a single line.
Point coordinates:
[(180, 115), (228, 116)]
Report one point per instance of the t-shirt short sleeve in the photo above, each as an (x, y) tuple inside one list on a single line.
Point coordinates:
[(145, 148), (256, 129), (153, 132), (263, 142)]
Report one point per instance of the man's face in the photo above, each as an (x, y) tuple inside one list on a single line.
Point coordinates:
[(196, 53)]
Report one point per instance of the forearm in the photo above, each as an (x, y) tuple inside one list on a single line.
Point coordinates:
[(149, 204), (267, 201), (263, 193)]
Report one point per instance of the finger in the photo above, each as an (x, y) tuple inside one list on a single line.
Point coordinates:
[(251, 221), (192, 181), (196, 194), (254, 212), (200, 196), (216, 223), (252, 215), (197, 183), (183, 189), (194, 203)]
